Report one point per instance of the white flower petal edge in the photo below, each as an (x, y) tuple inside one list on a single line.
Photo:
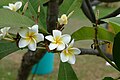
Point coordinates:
[(118, 15), (18, 5), (23, 42), (66, 38), (57, 33), (63, 57), (30, 37), (1, 36), (52, 46), (72, 59), (68, 55), (32, 45)]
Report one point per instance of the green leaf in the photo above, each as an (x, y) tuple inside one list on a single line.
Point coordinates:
[(66, 72), (68, 5), (114, 19), (7, 48), (115, 27), (33, 11), (108, 78), (116, 50), (9, 18), (6, 2), (87, 33)]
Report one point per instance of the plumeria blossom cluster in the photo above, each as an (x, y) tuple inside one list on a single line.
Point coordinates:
[(30, 37), (62, 43), (14, 7)]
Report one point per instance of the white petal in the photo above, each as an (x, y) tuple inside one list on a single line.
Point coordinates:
[(61, 47), (63, 57), (18, 5), (7, 7), (32, 45), (39, 37), (23, 42), (72, 59), (60, 21), (5, 29), (66, 38), (118, 15), (24, 33), (71, 44), (75, 50), (35, 28), (52, 46), (11, 5), (57, 33), (49, 38)]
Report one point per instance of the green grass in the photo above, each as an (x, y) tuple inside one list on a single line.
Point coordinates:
[(86, 67)]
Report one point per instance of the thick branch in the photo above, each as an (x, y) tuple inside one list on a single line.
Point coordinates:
[(94, 52), (30, 58)]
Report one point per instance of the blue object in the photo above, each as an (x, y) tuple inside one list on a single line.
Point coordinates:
[(45, 65)]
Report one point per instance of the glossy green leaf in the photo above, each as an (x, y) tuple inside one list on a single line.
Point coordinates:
[(108, 78), (114, 19), (7, 48), (66, 72), (116, 50), (33, 11), (115, 27), (13, 19), (6, 2), (87, 33), (68, 5)]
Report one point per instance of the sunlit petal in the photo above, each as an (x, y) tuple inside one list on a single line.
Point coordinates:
[(52, 46), (18, 5), (57, 33), (66, 38), (61, 47), (63, 57), (50, 38), (7, 7), (23, 42), (75, 50), (35, 28), (32, 45), (24, 33), (72, 59), (39, 37)]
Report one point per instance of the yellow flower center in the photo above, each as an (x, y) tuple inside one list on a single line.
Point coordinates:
[(57, 40)]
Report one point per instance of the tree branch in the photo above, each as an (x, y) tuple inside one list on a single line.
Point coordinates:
[(94, 52), (30, 58)]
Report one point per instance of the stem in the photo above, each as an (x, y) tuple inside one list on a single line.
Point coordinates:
[(96, 43), (107, 59)]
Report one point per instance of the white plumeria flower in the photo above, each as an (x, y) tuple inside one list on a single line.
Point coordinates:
[(68, 55), (118, 15), (63, 20), (30, 37), (4, 31), (58, 40), (14, 7)]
